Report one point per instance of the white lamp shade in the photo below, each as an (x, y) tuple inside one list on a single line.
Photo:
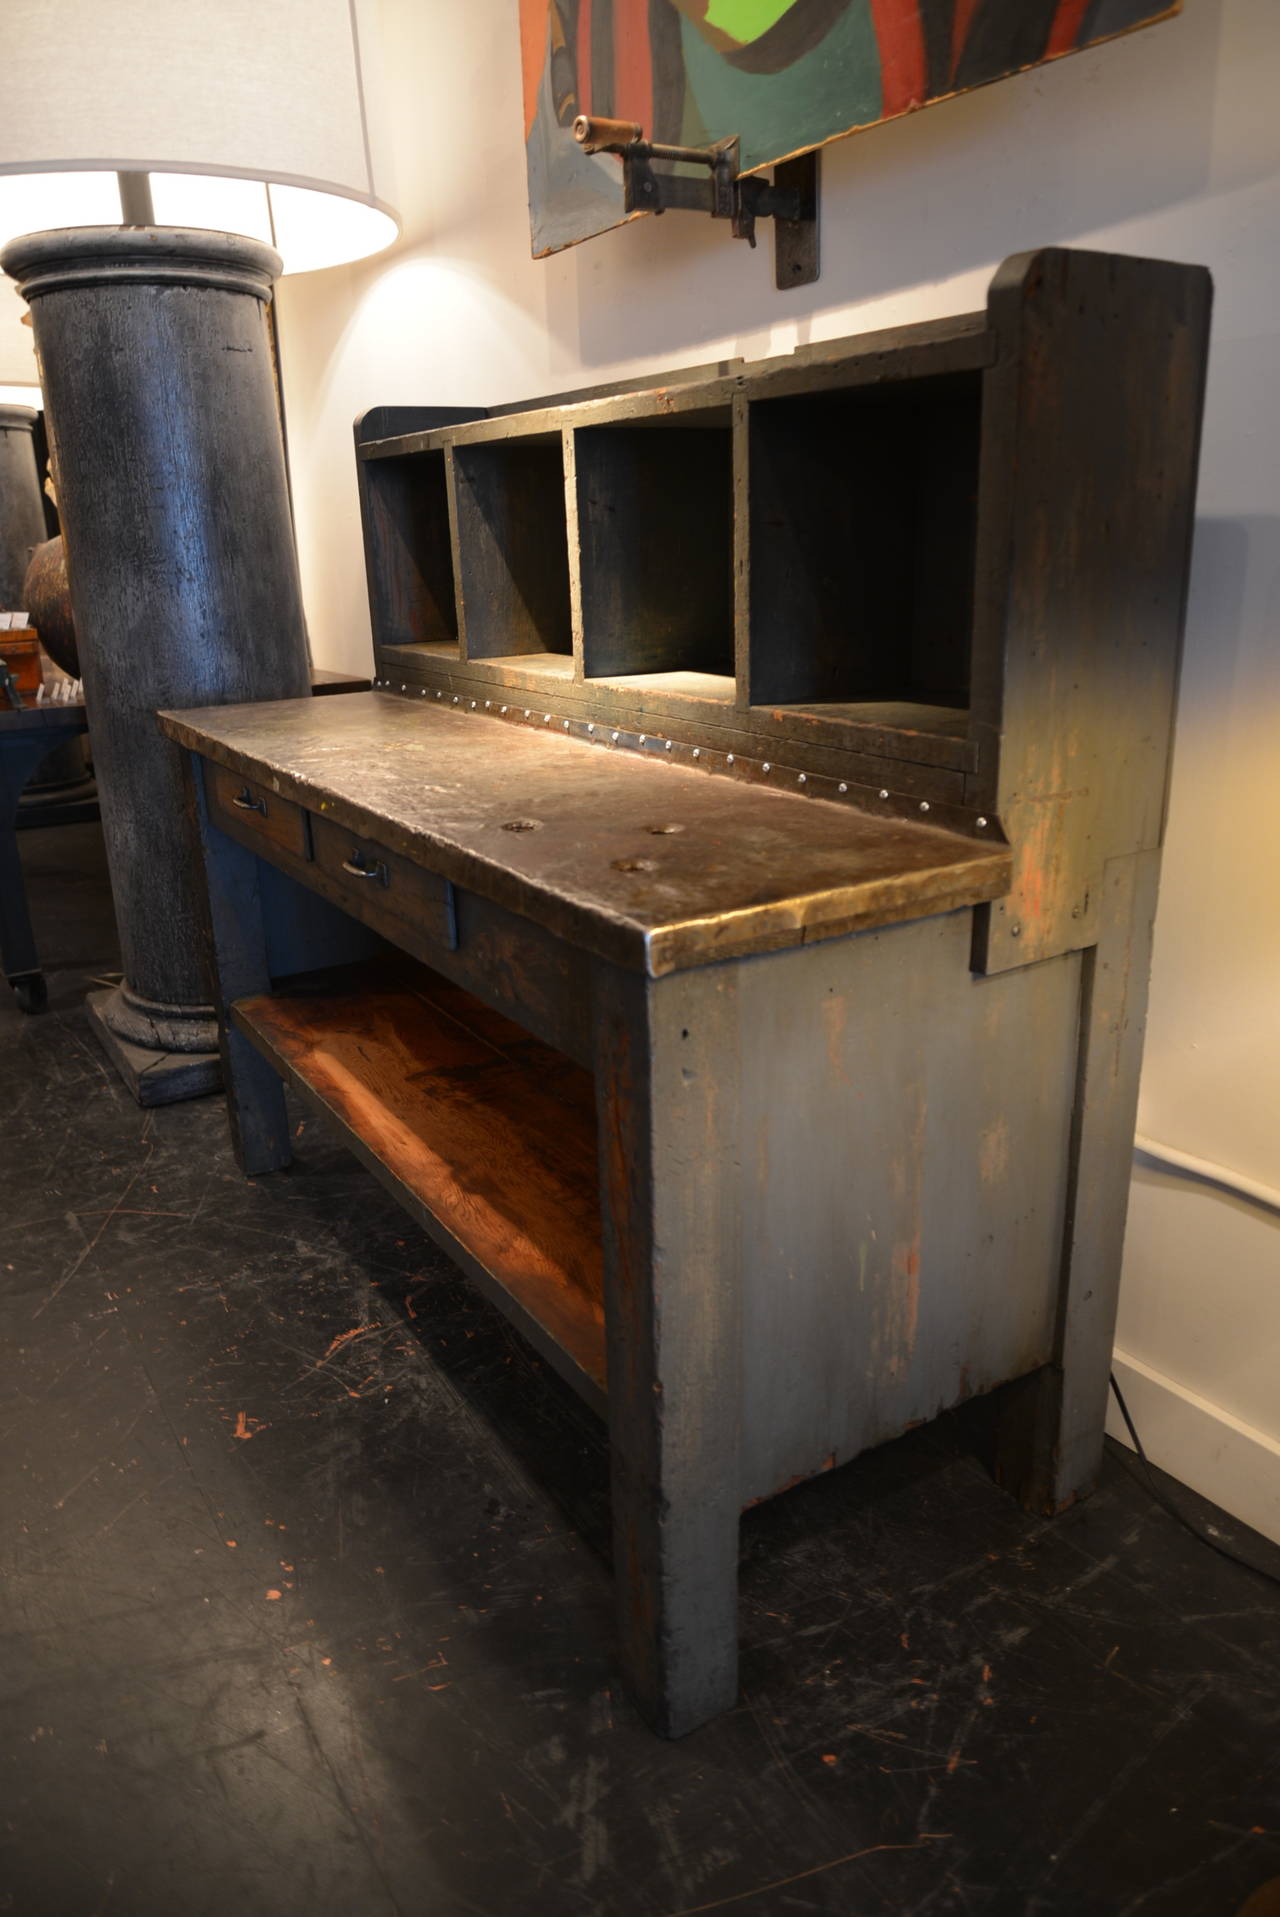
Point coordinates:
[(252, 116)]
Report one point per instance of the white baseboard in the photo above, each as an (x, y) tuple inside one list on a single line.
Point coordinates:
[(1218, 1455)]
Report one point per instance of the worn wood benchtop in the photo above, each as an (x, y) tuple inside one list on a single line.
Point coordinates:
[(651, 864)]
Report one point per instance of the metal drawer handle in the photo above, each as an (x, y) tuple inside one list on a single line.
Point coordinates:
[(247, 803), (361, 867)]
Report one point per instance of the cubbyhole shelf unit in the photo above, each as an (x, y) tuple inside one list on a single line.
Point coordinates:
[(773, 560)]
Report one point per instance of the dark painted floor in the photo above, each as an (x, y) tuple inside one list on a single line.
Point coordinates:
[(304, 1608)]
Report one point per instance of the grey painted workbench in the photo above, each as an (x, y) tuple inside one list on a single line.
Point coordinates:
[(759, 1028)]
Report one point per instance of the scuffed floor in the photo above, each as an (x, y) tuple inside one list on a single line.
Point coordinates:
[(305, 1610)]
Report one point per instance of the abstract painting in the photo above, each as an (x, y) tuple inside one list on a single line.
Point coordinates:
[(782, 75)]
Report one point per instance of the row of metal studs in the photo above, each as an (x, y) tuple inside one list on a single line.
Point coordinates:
[(709, 758)]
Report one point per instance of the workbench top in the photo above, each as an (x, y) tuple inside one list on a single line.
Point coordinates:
[(649, 863)]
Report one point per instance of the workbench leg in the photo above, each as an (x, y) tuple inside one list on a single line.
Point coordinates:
[(1049, 1448), (238, 944), (667, 1064)]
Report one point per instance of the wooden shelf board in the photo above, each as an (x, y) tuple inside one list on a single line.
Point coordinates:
[(896, 728), (444, 651), (899, 715), (487, 1135), (923, 349), (686, 685), (547, 665)]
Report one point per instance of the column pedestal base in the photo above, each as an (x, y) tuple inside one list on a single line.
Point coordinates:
[(153, 1077)]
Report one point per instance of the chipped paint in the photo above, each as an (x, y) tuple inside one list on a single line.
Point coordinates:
[(993, 1151)]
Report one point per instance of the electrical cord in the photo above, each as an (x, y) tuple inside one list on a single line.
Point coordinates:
[(1167, 1504)]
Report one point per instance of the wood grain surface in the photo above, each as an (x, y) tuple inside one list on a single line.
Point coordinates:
[(652, 865), (492, 1131)]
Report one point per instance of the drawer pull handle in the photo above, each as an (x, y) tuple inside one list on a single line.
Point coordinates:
[(361, 867), (247, 803)]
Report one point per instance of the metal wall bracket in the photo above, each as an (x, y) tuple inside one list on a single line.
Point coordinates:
[(790, 199)]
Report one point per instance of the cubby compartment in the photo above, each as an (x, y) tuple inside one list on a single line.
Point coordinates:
[(408, 550), (512, 548), (655, 520), (863, 516)]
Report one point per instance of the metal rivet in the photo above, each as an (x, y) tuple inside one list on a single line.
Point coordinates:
[(473, 705), (527, 713), (455, 698), (766, 767), (439, 695), (422, 691), (981, 823), (884, 792), (614, 737), (729, 759), (504, 711), (697, 752), (667, 746), (643, 737), (1015, 931), (566, 725), (844, 788), (486, 705), (924, 805), (404, 688), (802, 778), (591, 730), (546, 718)]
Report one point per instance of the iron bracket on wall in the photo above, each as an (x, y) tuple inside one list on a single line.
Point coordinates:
[(790, 199)]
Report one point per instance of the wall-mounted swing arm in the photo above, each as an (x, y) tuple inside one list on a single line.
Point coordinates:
[(790, 198)]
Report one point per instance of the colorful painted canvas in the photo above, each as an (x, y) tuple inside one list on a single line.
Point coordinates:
[(783, 75)]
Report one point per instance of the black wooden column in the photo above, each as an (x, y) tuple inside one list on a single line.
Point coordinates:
[(22, 525), (166, 446)]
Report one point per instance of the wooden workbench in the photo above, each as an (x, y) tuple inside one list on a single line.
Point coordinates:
[(759, 1028)]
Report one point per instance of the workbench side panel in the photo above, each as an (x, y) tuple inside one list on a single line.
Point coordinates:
[(905, 1136), (1091, 437)]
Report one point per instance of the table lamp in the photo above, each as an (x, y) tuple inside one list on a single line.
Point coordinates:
[(246, 116), (161, 162)]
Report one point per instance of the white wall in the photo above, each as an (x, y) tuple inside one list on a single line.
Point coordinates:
[(17, 343), (1165, 143)]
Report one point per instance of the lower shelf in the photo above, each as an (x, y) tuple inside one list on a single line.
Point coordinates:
[(487, 1136)]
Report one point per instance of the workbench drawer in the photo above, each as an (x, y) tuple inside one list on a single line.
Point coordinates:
[(386, 886), (250, 811)]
